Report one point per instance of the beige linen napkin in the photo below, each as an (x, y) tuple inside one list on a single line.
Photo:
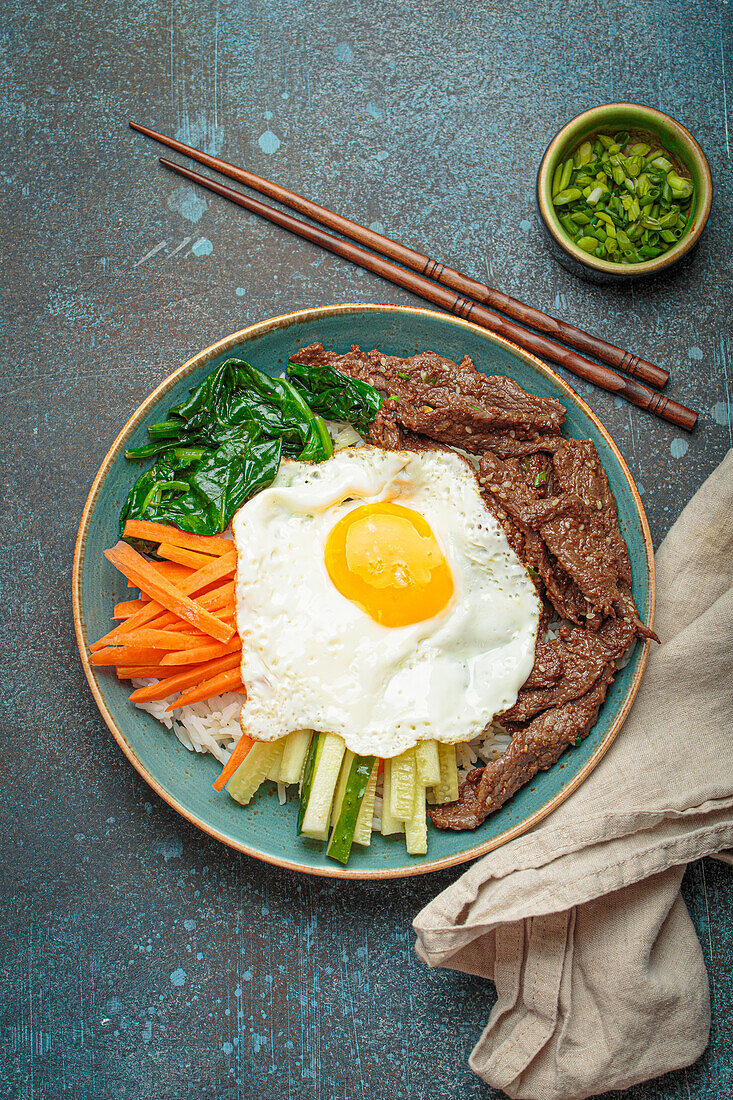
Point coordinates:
[(580, 923)]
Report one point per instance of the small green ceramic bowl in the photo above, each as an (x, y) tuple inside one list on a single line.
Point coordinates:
[(611, 117)]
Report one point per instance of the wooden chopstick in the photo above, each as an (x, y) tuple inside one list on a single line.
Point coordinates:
[(635, 392), (527, 315)]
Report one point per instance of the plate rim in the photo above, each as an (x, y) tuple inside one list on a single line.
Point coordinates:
[(284, 321)]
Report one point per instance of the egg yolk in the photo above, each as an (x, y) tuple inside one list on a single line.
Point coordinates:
[(386, 559)]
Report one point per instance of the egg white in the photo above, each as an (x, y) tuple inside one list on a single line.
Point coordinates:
[(312, 659)]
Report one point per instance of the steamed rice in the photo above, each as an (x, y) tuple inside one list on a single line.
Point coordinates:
[(213, 727)]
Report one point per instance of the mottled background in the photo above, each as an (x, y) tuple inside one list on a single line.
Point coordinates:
[(139, 958)]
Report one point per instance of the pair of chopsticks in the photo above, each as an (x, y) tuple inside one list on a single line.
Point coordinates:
[(436, 283)]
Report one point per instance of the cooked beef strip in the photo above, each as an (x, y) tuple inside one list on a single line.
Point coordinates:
[(534, 748), (451, 402), (583, 655), (547, 669), (577, 534), (578, 470)]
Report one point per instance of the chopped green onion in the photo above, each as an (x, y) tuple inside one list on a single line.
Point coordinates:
[(621, 199)]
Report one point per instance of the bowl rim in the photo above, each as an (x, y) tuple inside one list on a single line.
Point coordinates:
[(654, 117), (200, 359)]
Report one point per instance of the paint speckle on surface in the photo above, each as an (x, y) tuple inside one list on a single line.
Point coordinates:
[(343, 53), (178, 977), (170, 847), (187, 203), (240, 291), (720, 412), (377, 227), (202, 247), (694, 353), (679, 448), (269, 142), (202, 134)]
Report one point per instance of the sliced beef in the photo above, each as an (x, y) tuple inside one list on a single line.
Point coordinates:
[(578, 470), (535, 748), (552, 499), (453, 403), (584, 656), (547, 669)]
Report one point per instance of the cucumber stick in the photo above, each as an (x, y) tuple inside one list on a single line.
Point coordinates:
[(338, 797), (358, 770), (253, 770), (447, 789), (273, 772), (363, 830), (317, 795), (294, 754), (416, 829), (403, 777), (390, 823), (428, 763)]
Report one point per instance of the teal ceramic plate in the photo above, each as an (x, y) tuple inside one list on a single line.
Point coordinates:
[(265, 829)]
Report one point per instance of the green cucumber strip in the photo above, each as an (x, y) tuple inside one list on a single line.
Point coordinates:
[(447, 789), (403, 779), (253, 770), (311, 762), (357, 782), (416, 829), (294, 754), (341, 785), (323, 785), (273, 772), (390, 823), (363, 830), (428, 763)]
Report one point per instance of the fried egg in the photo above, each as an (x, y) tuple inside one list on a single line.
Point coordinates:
[(377, 598)]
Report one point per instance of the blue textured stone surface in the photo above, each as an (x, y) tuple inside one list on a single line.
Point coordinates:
[(137, 957)]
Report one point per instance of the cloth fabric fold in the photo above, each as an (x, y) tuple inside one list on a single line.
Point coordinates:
[(580, 923)]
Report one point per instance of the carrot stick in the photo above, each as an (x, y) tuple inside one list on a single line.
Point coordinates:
[(160, 532), (140, 672), (189, 677), (153, 614), (165, 639), (217, 685), (127, 608), (242, 747), (126, 655), (136, 568), (190, 558), (203, 653)]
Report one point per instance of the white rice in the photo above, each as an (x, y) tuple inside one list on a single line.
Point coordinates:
[(213, 726)]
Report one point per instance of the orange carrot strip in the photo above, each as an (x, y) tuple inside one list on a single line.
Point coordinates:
[(190, 558), (217, 685), (136, 568), (242, 747), (160, 532), (193, 582), (140, 672), (166, 639), (188, 677), (126, 655), (203, 653), (171, 570), (127, 608)]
